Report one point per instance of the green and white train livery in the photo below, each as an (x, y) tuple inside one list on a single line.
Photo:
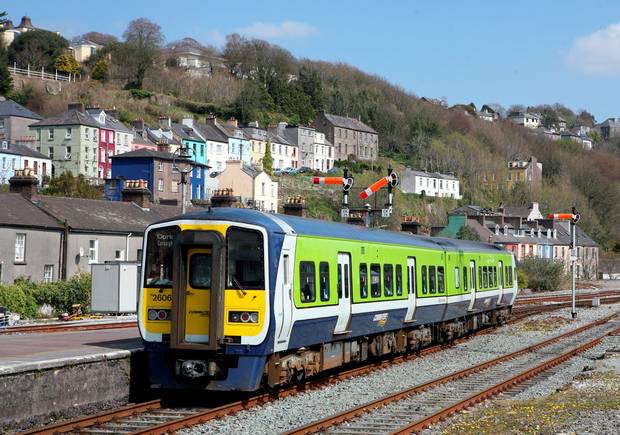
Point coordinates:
[(236, 299)]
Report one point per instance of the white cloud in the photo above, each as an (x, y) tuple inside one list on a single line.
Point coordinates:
[(285, 29), (598, 53)]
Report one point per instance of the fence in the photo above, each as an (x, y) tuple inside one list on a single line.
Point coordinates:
[(42, 74)]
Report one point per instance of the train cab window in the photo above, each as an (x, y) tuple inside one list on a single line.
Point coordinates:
[(441, 288), (363, 281), (246, 259), (424, 280), (324, 280), (399, 280), (464, 278), (159, 254), (432, 279), (457, 282), (200, 271), (388, 280), (307, 281), (375, 280)]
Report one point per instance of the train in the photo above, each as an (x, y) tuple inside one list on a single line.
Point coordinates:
[(236, 299)]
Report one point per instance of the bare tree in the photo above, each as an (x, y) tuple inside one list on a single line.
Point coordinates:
[(143, 39)]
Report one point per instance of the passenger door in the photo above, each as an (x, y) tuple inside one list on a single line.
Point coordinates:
[(286, 296), (411, 289), (344, 293), (197, 295), (472, 283)]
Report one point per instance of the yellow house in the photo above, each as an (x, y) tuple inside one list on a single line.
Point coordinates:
[(258, 143), (83, 50)]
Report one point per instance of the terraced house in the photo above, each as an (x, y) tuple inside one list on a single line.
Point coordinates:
[(351, 137), (70, 140)]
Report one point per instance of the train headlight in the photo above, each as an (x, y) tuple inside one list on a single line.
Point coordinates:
[(152, 314), (243, 316), (158, 314)]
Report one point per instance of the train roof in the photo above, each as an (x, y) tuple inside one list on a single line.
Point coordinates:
[(319, 228)]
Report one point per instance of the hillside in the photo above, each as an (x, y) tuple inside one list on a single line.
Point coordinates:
[(260, 81)]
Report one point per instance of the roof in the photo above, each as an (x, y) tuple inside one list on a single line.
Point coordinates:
[(11, 108), (96, 215), (210, 132), (70, 117), (23, 150), (320, 228), (229, 131), (253, 133), (111, 123), (157, 135), (18, 211), (350, 123), (145, 153), (275, 137), (186, 132), (430, 174), (252, 172)]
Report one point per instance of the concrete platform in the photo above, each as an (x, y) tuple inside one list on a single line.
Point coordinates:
[(51, 375)]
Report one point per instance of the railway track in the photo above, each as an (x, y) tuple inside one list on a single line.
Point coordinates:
[(527, 300), (414, 409), (156, 417), (59, 327)]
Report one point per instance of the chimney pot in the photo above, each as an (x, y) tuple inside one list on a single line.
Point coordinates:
[(76, 106), (136, 191), (23, 183)]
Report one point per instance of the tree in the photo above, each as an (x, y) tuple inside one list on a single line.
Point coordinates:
[(6, 82), (97, 37), (100, 71), (253, 102), (268, 159), (466, 233), (37, 48), (75, 187), (143, 39), (67, 63), (310, 83)]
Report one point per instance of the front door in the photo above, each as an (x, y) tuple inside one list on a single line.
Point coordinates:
[(472, 283), (344, 293), (411, 289), (197, 301), (286, 296)]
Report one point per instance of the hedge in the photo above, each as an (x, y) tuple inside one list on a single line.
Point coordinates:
[(25, 297), (543, 274)]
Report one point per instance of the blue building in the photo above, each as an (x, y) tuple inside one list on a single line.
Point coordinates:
[(156, 168), (197, 151)]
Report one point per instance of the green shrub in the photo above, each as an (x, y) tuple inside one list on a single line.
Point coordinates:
[(543, 274), (16, 300), (140, 94), (522, 278)]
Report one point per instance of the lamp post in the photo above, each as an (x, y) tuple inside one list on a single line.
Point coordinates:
[(182, 162)]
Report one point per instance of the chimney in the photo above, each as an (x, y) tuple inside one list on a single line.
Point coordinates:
[(410, 224), (76, 106), (138, 126), (253, 124), (281, 128), (112, 113), (232, 122), (136, 191), (211, 120), (295, 206), (223, 198), (8, 24), (26, 23), (189, 122), (163, 146), (24, 183), (165, 123)]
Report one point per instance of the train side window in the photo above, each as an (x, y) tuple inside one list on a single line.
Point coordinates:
[(457, 280), (511, 269), (424, 285), (432, 279), (399, 280), (495, 276), (363, 280), (486, 273), (480, 282), (464, 278), (307, 281), (347, 277), (484, 277), (375, 280), (388, 280), (440, 280), (324, 280), (507, 272), (500, 270), (339, 288)]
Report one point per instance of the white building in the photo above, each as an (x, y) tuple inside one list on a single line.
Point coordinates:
[(17, 157), (283, 152), (430, 184), (323, 153), (525, 119)]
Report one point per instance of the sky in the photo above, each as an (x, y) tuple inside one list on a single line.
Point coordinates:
[(479, 51)]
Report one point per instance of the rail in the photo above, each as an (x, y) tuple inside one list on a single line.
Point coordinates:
[(44, 75)]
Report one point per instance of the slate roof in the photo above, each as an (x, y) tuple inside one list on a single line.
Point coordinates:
[(11, 108), (186, 133), (431, 175), (96, 215), (229, 131), (23, 150), (275, 137), (350, 123), (252, 133), (145, 153), (157, 135), (210, 132), (70, 117), (18, 211), (111, 123)]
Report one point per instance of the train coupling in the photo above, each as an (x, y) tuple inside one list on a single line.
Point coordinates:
[(195, 368)]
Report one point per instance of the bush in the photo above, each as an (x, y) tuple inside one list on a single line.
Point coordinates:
[(522, 279), (140, 94), (25, 297), (543, 274)]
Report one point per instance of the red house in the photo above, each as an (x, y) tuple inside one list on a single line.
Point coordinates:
[(107, 145)]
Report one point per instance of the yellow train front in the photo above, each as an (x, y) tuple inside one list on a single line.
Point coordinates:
[(233, 298)]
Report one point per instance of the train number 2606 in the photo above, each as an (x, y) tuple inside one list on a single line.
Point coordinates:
[(162, 298)]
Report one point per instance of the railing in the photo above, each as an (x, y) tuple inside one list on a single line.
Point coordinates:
[(42, 74)]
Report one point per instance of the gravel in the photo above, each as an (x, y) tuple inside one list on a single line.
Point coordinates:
[(303, 408)]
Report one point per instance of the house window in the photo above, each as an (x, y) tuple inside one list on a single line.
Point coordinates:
[(48, 273), (262, 189), (160, 166), (69, 133), (119, 254), (50, 134), (174, 187), (20, 247), (93, 251), (160, 185)]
